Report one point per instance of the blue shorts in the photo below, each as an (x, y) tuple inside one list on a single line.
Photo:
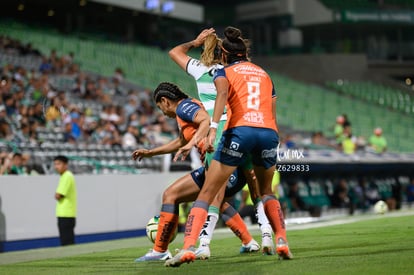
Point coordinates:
[(236, 181), (237, 143)]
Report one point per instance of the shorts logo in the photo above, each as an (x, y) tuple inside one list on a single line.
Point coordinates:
[(232, 179), (269, 153), (234, 146)]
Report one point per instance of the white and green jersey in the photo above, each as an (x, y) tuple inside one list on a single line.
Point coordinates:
[(203, 76)]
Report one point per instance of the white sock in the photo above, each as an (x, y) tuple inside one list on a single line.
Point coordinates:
[(206, 233), (262, 218)]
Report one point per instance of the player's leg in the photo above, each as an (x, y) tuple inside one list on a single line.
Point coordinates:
[(235, 222), (273, 210), (264, 161), (265, 229), (213, 184), (198, 214), (206, 234), (182, 190), (264, 224)]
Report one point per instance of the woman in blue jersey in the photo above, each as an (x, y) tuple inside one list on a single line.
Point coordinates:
[(203, 71), (193, 122)]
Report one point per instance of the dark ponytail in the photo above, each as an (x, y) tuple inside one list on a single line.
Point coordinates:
[(234, 46), (168, 90)]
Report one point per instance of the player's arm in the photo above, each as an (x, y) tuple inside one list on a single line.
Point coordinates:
[(202, 119), (179, 54), (170, 147)]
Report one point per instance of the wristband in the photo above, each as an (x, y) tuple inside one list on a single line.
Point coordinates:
[(213, 124)]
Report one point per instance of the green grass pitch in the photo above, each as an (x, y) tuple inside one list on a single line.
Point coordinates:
[(380, 245)]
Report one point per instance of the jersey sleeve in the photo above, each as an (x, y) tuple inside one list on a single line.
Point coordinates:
[(219, 73), (195, 68), (188, 110)]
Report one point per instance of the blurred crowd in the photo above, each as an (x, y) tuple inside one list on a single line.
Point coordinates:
[(93, 110)]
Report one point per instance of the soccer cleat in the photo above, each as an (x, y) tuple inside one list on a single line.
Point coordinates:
[(184, 256), (154, 256), (203, 252), (282, 249), (252, 246)]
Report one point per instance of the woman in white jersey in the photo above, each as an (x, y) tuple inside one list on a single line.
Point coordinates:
[(202, 71)]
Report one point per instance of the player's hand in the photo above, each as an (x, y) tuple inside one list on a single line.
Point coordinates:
[(140, 154), (183, 152), (209, 146), (202, 37)]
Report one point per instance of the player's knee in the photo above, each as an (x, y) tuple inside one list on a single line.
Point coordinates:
[(169, 196)]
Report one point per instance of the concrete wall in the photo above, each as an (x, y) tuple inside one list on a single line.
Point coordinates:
[(107, 203)]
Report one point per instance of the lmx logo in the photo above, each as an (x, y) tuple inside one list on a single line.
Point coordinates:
[(288, 154)]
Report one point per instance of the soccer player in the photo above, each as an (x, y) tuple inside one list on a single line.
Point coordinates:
[(193, 122), (202, 71), (251, 130)]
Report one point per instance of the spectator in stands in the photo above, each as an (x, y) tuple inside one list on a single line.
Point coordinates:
[(10, 105), (78, 88), (53, 113), (90, 91), (348, 145), (119, 74), (37, 114), (45, 66), (18, 166), (5, 129), (288, 142), (131, 106), (76, 124), (377, 141), (116, 115), (130, 138), (24, 135), (105, 86), (109, 135), (339, 129), (14, 165), (319, 141)]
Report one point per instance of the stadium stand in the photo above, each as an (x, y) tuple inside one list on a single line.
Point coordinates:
[(377, 94), (303, 109), (152, 66)]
